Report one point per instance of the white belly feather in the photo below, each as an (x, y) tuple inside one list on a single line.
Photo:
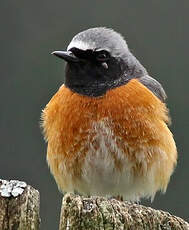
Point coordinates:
[(100, 176)]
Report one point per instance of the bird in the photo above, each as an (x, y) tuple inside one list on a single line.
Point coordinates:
[(107, 127)]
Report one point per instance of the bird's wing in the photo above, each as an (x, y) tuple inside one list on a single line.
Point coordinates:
[(154, 86)]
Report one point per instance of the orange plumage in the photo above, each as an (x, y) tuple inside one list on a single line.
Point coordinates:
[(115, 144)]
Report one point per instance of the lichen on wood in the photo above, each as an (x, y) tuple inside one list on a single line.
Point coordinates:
[(19, 206), (11, 188), (98, 213)]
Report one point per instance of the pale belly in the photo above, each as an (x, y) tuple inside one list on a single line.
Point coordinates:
[(108, 171)]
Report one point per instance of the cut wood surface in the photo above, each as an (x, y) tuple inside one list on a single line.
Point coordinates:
[(99, 213), (19, 206)]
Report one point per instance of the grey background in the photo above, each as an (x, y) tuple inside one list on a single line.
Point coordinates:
[(157, 33)]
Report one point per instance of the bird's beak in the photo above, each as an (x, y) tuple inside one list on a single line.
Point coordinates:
[(66, 55)]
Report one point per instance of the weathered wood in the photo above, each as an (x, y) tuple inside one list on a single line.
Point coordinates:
[(99, 213), (19, 206)]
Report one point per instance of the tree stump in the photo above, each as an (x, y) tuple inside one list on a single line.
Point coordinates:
[(19, 206), (98, 213)]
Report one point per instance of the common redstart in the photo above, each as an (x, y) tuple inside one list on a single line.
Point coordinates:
[(107, 126)]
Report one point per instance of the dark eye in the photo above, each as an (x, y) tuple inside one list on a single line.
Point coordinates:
[(102, 56)]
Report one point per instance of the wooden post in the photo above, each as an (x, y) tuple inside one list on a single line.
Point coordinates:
[(19, 206), (98, 213)]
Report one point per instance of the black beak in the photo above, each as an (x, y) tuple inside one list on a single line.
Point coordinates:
[(66, 55)]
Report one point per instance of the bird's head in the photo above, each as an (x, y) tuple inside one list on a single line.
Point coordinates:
[(98, 60)]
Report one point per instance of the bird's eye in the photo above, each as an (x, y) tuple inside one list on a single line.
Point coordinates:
[(102, 56)]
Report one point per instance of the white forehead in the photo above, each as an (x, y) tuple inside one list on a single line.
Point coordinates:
[(81, 45)]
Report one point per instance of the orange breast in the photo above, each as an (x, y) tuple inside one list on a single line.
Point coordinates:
[(135, 115)]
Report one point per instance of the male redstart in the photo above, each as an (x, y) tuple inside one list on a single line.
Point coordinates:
[(106, 127)]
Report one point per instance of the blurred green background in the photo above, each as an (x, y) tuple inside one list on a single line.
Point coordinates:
[(157, 33)]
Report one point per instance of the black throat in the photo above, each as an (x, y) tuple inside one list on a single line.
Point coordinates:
[(93, 80)]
